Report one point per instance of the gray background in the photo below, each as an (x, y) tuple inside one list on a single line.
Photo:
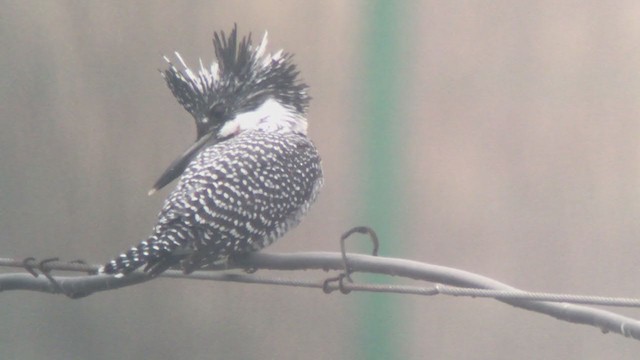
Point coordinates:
[(519, 152)]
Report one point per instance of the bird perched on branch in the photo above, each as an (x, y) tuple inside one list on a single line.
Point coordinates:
[(251, 174)]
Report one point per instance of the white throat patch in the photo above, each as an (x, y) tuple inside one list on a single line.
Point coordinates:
[(270, 116)]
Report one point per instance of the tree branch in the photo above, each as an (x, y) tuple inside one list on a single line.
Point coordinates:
[(85, 285)]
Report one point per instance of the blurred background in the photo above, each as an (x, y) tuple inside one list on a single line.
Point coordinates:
[(496, 137)]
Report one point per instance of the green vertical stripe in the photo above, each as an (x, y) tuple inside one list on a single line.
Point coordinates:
[(381, 168)]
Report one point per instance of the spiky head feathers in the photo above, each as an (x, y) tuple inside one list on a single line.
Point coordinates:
[(242, 79)]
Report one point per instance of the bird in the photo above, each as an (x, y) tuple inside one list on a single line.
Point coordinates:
[(252, 173)]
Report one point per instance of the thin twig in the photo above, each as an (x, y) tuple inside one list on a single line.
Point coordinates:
[(84, 285), (539, 296)]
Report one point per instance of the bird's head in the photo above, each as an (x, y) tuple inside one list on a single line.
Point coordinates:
[(245, 88)]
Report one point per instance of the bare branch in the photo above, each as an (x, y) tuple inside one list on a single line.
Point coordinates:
[(84, 285)]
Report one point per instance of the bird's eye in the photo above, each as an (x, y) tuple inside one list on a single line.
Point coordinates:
[(217, 111)]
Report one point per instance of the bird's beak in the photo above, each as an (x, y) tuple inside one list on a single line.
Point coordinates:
[(178, 165)]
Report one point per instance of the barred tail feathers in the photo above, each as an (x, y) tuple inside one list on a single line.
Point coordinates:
[(156, 253)]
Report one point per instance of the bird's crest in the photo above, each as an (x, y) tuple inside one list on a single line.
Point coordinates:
[(241, 71)]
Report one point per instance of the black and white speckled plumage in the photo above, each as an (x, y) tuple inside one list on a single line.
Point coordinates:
[(253, 172)]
